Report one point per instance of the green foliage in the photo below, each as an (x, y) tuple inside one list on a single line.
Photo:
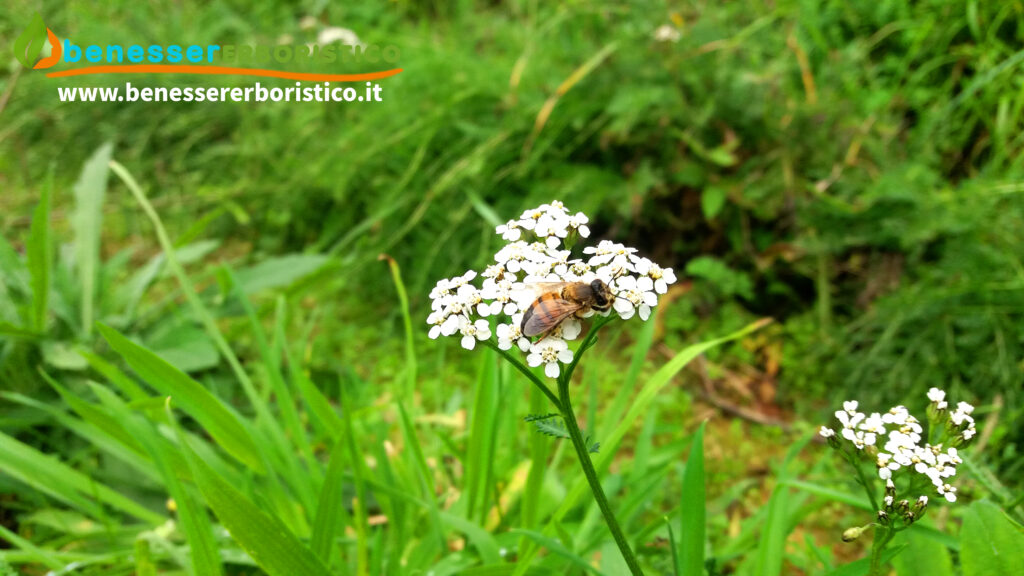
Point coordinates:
[(553, 426), (991, 542), (849, 169)]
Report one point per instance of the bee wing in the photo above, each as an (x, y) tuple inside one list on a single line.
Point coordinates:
[(526, 293), (546, 314)]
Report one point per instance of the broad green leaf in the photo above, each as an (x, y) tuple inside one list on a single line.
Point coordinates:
[(223, 425), (692, 514), (186, 348), (712, 199), (923, 555), (40, 254), (87, 222), (267, 540), (277, 272), (990, 542)]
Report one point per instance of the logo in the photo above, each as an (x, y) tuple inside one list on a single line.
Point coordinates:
[(29, 44)]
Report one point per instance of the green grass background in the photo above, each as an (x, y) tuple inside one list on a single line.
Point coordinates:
[(849, 169)]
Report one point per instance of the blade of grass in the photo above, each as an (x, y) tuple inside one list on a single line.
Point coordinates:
[(66, 484), (771, 548), (267, 540), (37, 553), (222, 424), (693, 511), (419, 463), (194, 521), (356, 461), (39, 256), (87, 221), (330, 511)]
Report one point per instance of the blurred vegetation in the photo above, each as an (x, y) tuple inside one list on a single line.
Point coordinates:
[(849, 169)]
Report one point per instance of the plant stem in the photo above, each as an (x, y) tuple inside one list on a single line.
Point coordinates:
[(883, 534), (583, 453), (526, 372)]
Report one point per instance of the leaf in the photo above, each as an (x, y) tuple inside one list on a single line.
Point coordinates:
[(923, 555), (330, 507), (186, 348), (192, 516), (278, 272), (556, 547), (772, 547), (547, 425), (712, 199), (87, 221), (692, 515), (39, 253), (990, 542), (861, 567), (63, 355), (29, 43), (267, 540), (198, 402), (50, 476)]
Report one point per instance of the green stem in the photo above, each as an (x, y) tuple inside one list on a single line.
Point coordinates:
[(526, 372), (583, 453), (865, 484), (883, 534)]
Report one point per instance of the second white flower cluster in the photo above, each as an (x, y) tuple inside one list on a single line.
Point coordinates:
[(895, 439), (534, 257)]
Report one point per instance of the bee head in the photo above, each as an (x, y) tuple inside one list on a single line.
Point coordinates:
[(602, 294)]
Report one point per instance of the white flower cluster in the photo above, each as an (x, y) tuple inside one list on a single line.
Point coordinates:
[(536, 253), (899, 435)]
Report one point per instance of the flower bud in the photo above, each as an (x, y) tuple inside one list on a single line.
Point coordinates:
[(883, 518), (851, 534)]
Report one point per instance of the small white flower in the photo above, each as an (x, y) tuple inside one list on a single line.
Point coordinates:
[(667, 33), (826, 432), (945, 490), (937, 396), (662, 277), (510, 230), (612, 252), (473, 331), (634, 295), (579, 224), (873, 424), (549, 352), (509, 334)]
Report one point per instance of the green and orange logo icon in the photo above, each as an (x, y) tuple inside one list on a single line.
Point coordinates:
[(29, 44)]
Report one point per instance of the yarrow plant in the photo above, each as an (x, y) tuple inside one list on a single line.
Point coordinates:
[(910, 465), (489, 307)]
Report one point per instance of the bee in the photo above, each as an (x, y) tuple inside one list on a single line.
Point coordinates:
[(559, 300)]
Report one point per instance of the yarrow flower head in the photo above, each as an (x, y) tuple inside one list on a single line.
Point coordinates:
[(537, 260), (899, 449)]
